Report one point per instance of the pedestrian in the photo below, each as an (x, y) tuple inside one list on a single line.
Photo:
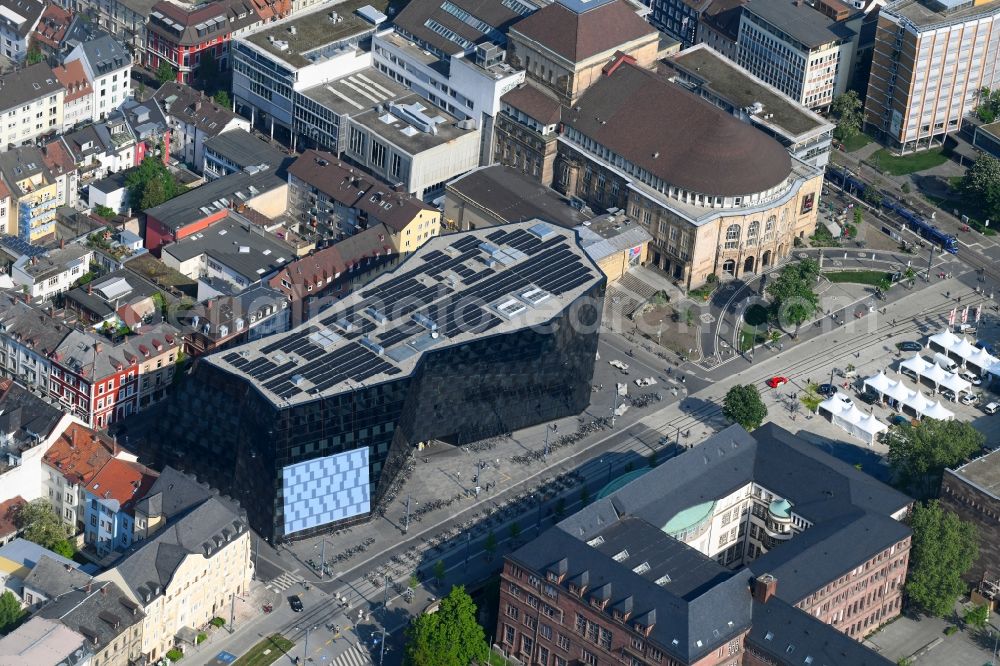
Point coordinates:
[(959, 300)]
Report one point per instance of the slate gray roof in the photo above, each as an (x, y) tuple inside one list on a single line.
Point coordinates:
[(193, 107), (102, 613), (244, 149), (31, 10), (91, 298), (25, 415), (105, 55), (149, 566), (779, 630), (53, 578), (30, 326), (800, 21), (173, 493)]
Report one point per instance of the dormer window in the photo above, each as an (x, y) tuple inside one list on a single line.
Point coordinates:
[(621, 557)]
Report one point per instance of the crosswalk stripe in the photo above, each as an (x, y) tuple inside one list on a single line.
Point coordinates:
[(351, 657)]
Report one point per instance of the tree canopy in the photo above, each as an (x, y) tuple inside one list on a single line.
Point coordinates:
[(10, 611), (982, 184), (847, 109), (792, 297), (943, 549), (449, 637), (743, 405), (977, 616), (222, 99), (918, 455), (151, 184), (42, 525), (165, 73), (989, 105)]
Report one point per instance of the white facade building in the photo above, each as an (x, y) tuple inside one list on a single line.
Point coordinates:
[(108, 67)]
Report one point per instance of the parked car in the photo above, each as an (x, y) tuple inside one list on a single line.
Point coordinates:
[(295, 603), (948, 394), (969, 399), (971, 378), (991, 408), (868, 398), (826, 389), (776, 382), (898, 419), (909, 346)]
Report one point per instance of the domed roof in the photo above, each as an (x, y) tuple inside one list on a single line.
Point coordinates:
[(677, 136), (689, 518)]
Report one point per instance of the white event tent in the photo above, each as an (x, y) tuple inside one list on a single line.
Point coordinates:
[(845, 414), (959, 349), (936, 375), (904, 398)]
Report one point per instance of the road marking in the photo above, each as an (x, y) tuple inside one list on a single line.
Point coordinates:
[(351, 657)]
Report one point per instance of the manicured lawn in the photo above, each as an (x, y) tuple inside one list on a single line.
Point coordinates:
[(856, 277), (266, 652), (900, 166), (746, 337), (856, 142)]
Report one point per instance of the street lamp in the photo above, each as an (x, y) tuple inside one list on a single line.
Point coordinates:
[(305, 647), (548, 428), (406, 523), (385, 617)]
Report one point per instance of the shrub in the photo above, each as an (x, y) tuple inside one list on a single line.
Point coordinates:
[(218, 622), (200, 638), (174, 654), (950, 629)]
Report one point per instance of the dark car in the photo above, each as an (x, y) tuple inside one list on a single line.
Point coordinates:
[(295, 603), (869, 398), (909, 346), (826, 389), (896, 419)]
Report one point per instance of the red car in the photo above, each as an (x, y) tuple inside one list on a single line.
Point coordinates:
[(775, 382)]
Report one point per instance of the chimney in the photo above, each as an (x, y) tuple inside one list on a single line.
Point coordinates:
[(764, 587)]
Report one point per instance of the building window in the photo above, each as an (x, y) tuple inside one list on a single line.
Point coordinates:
[(357, 142), (732, 237), (769, 228), (752, 231), (378, 155)]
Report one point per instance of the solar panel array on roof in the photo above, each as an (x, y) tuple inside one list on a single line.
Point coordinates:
[(469, 285)]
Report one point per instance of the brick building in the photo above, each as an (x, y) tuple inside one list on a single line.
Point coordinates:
[(973, 492), (745, 551)]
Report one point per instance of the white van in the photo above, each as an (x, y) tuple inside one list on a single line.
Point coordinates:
[(945, 362), (991, 408)]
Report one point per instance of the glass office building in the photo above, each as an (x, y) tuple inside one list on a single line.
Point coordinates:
[(477, 334)]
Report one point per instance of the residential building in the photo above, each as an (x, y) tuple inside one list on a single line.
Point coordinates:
[(18, 558), (315, 281), (32, 104), (228, 320), (114, 298), (52, 273), (181, 36), (236, 150), (109, 620), (453, 55), (194, 118), (27, 340), (718, 196), (108, 66), (42, 642), (78, 104), (28, 427), (149, 126), (109, 192), (18, 20), (62, 171), (275, 62), (101, 149), (125, 20), (118, 247), (71, 463), (9, 509), (258, 187), (109, 518), (802, 51), (339, 200), (496, 195), (51, 29), (807, 135), (406, 368), (679, 19), (930, 61), (972, 491), (748, 550), (189, 570), (33, 191), (566, 45), (51, 578), (232, 249)]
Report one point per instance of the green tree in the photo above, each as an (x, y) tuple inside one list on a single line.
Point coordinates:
[(490, 545), (165, 73), (942, 551), (10, 611), (104, 211), (41, 524), (859, 216), (439, 571), (449, 637), (847, 109), (743, 405), (919, 455), (515, 530), (151, 175), (222, 99), (154, 194), (982, 185), (977, 616), (34, 56), (65, 548), (793, 299)]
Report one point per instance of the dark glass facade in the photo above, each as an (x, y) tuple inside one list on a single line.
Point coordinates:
[(218, 426)]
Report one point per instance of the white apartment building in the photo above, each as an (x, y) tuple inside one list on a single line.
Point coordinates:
[(52, 273), (31, 104), (78, 105), (799, 50), (108, 67), (18, 19)]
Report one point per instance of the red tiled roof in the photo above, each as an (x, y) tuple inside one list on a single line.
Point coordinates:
[(80, 453), (8, 515), (577, 37), (56, 156), (74, 79), (122, 480), (52, 25)]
